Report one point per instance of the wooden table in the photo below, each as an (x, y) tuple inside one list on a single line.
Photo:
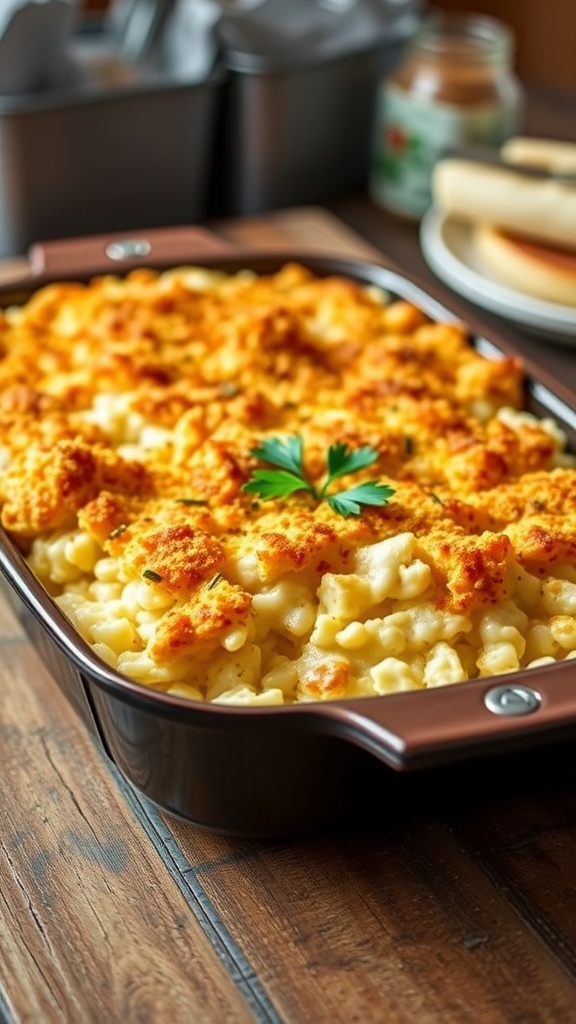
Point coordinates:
[(454, 904)]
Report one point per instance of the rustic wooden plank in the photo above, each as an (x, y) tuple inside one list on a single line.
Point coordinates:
[(524, 838), (306, 229), (10, 627), (392, 920), (93, 926)]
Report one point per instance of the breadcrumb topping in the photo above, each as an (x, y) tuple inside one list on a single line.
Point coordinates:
[(129, 412)]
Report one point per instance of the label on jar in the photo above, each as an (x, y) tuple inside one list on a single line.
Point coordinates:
[(411, 135)]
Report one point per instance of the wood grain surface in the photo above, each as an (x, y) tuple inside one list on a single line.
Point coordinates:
[(446, 898)]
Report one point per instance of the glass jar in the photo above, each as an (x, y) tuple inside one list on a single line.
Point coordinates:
[(455, 88)]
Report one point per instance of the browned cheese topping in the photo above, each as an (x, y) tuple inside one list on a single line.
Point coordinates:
[(129, 411)]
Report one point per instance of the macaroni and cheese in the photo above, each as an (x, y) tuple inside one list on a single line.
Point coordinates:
[(130, 409)]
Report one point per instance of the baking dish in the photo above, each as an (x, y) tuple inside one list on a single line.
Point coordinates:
[(113, 158), (272, 770)]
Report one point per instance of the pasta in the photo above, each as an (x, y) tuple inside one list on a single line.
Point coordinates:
[(130, 413)]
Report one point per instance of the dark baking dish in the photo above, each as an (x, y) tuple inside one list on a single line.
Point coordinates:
[(272, 770)]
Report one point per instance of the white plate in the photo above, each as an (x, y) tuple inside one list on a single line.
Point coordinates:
[(447, 247)]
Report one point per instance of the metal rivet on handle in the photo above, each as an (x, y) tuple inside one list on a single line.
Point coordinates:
[(128, 248), (512, 700)]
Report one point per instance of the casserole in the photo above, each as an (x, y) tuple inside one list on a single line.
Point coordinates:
[(265, 770)]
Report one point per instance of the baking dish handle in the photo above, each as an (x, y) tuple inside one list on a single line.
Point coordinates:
[(112, 254), (414, 730)]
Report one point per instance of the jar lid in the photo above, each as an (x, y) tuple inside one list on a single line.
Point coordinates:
[(464, 38)]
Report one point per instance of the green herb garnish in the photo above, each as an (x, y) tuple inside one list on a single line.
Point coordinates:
[(215, 580), (287, 454), (154, 577), (191, 501), (117, 532)]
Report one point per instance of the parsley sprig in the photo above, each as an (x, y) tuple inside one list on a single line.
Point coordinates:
[(287, 456)]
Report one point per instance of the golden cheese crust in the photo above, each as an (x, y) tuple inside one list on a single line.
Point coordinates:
[(129, 411)]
